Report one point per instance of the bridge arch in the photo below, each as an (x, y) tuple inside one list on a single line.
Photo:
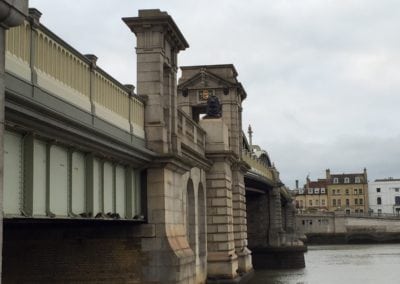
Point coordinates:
[(202, 221), (191, 215)]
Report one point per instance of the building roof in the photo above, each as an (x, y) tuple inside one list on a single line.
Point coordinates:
[(320, 183), (352, 178), (388, 179)]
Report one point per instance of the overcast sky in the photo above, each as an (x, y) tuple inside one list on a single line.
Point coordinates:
[(322, 76)]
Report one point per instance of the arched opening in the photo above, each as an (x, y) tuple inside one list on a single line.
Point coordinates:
[(202, 222), (191, 216)]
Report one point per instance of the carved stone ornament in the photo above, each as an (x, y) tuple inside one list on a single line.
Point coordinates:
[(213, 109)]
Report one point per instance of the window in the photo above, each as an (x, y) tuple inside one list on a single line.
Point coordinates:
[(357, 180), (360, 191), (361, 201), (378, 189), (335, 180), (310, 202), (338, 191), (396, 189), (347, 192), (334, 202), (361, 211), (316, 190), (301, 203), (346, 180), (378, 200), (397, 200), (379, 211), (356, 201), (323, 202), (339, 202), (347, 202), (333, 191), (317, 202), (310, 191), (322, 190), (356, 210), (355, 191)]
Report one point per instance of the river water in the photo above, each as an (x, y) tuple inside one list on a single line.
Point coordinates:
[(341, 264)]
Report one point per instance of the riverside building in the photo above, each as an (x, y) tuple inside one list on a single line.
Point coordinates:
[(384, 196), (347, 192)]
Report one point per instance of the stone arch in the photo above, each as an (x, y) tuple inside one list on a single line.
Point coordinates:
[(201, 208), (191, 215)]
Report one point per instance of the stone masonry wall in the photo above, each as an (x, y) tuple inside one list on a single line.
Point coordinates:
[(100, 252), (258, 220)]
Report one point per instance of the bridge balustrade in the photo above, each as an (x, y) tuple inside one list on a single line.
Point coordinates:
[(259, 167), (190, 133), (38, 56)]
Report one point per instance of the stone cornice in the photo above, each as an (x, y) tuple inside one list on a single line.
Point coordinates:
[(13, 13), (171, 161), (227, 155), (156, 18), (195, 159)]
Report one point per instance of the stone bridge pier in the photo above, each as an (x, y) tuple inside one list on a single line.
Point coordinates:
[(271, 230), (228, 255)]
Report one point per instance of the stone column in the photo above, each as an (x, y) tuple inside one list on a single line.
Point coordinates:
[(12, 13), (158, 42), (168, 256), (222, 261), (275, 232), (290, 216), (240, 217)]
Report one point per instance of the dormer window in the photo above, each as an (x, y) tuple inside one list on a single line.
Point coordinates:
[(335, 180), (346, 180), (322, 190), (310, 191), (316, 190), (358, 180)]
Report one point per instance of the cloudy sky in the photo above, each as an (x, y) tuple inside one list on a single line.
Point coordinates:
[(322, 76)]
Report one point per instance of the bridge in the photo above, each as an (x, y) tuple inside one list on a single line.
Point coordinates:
[(334, 227), (107, 183)]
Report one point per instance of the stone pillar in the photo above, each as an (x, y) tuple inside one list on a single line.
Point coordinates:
[(12, 13), (290, 217), (240, 217), (222, 261), (275, 232), (158, 43), (169, 258)]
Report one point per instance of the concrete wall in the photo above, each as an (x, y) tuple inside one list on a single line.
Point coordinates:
[(344, 224)]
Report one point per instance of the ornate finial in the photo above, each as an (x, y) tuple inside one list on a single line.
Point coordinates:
[(250, 131), (203, 76)]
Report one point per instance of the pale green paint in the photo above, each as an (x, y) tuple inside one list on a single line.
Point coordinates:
[(12, 173), (39, 178), (59, 180), (120, 191), (108, 187), (78, 183)]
